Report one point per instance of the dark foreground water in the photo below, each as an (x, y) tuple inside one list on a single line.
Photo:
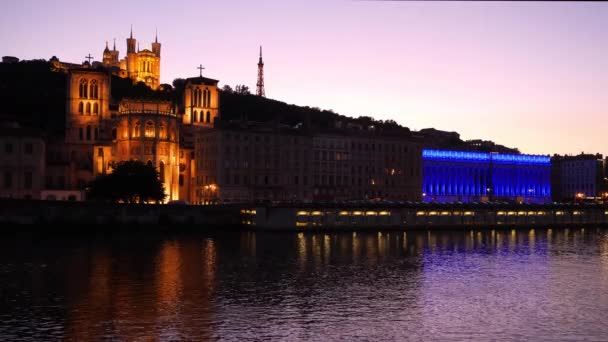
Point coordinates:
[(524, 285)]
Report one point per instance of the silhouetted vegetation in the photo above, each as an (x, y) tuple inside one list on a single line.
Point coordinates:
[(131, 182), (33, 95)]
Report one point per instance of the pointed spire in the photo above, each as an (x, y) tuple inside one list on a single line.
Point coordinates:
[(114, 44), (131, 31), (137, 46), (156, 36)]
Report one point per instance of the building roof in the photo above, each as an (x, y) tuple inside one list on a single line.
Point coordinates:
[(202, 80)]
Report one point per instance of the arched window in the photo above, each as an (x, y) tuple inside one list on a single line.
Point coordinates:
[(88, 132), (95, 108), (96, 132), (208, 98), (80, 133), (197, 97), (82, 90), (162, 131), (194, 116), (136, 129), (161, 173), (94, 89), (88, 108), (208, 116), (81, 108), (150, 130), (149, 163), (205, 98)]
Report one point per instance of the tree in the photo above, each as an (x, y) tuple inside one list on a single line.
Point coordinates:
[(227, 89), (242, 89), (131, 182)]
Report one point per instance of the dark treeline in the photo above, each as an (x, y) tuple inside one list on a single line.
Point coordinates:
[(34, 95)]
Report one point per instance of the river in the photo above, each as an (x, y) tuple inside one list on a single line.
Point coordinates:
[(470, 285)]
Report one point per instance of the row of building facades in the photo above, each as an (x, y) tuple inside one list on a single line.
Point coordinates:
[(203, 159)]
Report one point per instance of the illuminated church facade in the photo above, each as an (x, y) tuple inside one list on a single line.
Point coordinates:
[(100, 132)]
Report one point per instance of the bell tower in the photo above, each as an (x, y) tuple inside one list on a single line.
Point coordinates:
[(156, 46), (131, 43)]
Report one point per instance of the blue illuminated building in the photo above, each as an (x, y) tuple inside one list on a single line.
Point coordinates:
[(467, 176)]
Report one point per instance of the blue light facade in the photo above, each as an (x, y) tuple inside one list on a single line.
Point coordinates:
[(466, 176)]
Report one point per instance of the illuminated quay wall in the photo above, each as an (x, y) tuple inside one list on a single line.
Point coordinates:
[(409, 215), (466, 176)]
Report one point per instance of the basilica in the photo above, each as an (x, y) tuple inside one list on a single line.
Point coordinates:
[(101, 131), (201, 157)]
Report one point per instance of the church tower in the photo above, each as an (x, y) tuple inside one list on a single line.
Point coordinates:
[(156, 46), (110, 57), (131, 43)]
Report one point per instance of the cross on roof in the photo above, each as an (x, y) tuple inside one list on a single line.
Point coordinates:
[(200, 68), (89, 57)]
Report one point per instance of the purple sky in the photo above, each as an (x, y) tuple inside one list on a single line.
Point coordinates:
[(531, 75)]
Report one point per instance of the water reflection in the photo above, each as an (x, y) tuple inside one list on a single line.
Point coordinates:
[(453, 285)]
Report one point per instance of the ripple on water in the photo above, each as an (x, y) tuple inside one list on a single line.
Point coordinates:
[(452, 286)]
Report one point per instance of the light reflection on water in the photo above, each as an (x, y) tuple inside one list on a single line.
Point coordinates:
[(536, 284)]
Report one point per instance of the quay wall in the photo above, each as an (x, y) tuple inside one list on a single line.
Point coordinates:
[(60, 214), (423, 216), (69, 214)]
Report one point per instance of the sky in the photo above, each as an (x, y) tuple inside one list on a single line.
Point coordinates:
[(531, 75)]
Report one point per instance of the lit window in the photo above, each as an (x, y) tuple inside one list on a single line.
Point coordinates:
[(136, 129), (150, 129), (82, 90)]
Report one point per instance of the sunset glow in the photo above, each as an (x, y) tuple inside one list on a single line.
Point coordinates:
[(527, 75)]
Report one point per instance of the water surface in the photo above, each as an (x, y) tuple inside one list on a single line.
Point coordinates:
[(504, 285)]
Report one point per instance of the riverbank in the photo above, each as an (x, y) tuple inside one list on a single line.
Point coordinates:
[(92, 216), (67, 215)]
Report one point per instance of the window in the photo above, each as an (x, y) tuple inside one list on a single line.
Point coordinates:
[(150, 130), (8, 180), (80, 133), (27, 180), (197, 97), (28, 148), (81, 108), (8, 148), (88, 132), (162, 131), (136, 129), (88, 109), (195, 116), (94, 89), (208, 98), (96, 132), (82, 90), (95, 108), (208, 116), (162, 171)]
